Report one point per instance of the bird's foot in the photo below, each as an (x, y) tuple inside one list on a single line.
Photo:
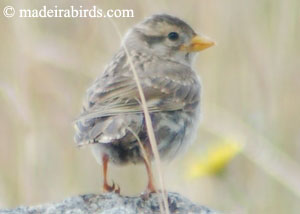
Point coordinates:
[(147, 193), (111, 188)]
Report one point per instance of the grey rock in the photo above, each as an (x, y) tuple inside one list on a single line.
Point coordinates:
[(112, 203)]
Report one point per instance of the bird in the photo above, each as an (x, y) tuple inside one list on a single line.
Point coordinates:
[(161, 49)]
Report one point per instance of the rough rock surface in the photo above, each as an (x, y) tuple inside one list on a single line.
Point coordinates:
[(112, 203)]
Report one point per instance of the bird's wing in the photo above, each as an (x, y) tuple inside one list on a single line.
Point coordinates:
[(166, 86), (128, 102), (161, 95), (114, 97)]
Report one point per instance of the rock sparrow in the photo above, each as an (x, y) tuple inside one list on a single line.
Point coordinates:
[(162, 49)]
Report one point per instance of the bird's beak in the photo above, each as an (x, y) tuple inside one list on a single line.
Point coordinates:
[(197, 43)]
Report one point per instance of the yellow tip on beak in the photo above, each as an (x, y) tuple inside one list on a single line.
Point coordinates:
[(198, 43)]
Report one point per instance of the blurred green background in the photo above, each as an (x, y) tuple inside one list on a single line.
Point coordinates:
[(251, 86)]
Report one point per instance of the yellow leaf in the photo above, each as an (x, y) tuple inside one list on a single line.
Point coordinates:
[(215, 159)]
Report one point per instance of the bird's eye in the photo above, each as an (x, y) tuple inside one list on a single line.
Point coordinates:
[(173, 36)]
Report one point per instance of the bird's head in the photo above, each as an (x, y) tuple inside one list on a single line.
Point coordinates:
[(166, 36)]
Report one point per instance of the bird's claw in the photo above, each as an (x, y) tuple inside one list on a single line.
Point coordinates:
[(113, 188), (117, 189), (147, 193)]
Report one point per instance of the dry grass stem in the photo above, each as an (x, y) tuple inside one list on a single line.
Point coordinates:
[(149, 126)]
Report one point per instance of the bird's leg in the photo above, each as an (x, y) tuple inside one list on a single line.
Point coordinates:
[(147, 161), (150, 186), (106, 186)]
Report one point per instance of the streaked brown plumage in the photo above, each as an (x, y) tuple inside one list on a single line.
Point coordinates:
[(162, 49)]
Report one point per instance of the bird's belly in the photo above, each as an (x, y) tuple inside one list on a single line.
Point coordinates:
[(173, 131)]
